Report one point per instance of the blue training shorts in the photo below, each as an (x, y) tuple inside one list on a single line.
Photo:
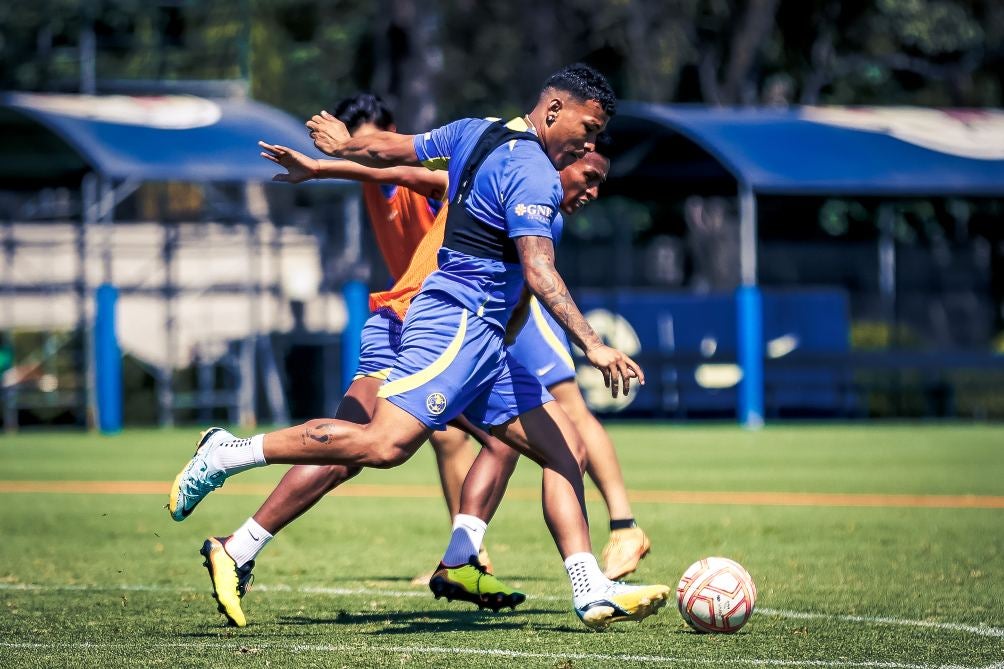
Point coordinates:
[(451, 362), (542, 347), (381, 339)]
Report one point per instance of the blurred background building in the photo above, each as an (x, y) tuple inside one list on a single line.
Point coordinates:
[(881, 298)]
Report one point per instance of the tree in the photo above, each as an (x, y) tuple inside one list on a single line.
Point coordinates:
[(730, 54), (925, 52), (437, 60), (409, 61)]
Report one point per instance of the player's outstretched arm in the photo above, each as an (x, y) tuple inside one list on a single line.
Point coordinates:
[(377, 149), (542, 278), (300, 167)]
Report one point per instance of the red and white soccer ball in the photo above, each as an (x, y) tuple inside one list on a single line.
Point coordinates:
[(716, 595)]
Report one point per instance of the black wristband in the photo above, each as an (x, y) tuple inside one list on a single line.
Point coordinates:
[(622, 524)]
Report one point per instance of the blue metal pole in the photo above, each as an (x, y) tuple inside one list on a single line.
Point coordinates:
[(749, 313), (107, 361), (357, 305), (749, 316)]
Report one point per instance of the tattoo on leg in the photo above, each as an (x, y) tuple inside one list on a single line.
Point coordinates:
[(318, 433)]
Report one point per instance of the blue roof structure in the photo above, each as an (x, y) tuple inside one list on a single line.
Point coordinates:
[(799, 151), (894, 151), (151, 138)]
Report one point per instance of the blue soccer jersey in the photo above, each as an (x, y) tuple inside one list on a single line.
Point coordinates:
[(516, 191)]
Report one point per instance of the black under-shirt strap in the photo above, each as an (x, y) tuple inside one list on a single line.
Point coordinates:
[(465, 233)]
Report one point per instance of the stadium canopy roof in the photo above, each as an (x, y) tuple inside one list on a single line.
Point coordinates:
[(53, 139), (887, 151), (799, 151)]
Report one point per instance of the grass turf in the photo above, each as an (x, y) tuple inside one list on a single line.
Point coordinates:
[(109, 580)]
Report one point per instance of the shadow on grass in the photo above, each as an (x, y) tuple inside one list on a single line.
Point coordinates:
[(407, 579), (400, 622), (375, 579), (410, 622), (221, 632)]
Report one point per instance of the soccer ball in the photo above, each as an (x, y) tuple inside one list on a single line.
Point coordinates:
[(716, 595)]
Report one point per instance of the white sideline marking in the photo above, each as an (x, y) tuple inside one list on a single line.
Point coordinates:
[(981, 630), (442, 650), (978, 630)]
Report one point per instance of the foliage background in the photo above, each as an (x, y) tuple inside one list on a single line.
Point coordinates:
[(437, 60)]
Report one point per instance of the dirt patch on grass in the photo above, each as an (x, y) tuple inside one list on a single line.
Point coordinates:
[(430, 491)]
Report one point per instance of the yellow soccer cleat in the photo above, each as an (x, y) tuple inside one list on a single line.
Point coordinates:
[(624, 551), (425, 577), (472, 583), (623, 602), (230, 582)]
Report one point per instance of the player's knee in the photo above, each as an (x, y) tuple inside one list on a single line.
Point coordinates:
[(578, 449), (577, 412), (387, 457), (501, 455), (450, 443), (335, 475), (388, 454)]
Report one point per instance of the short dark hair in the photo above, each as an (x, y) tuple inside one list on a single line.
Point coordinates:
[(584, 83), (364, 108)]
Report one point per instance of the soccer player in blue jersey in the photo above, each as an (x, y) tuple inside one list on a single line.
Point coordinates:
[(504, 194), (540, 346)]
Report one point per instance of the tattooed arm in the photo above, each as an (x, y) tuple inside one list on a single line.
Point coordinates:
[(542, 279)]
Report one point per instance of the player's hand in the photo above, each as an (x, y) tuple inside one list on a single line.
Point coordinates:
[(617, 368), (327, 132), (298, 166)]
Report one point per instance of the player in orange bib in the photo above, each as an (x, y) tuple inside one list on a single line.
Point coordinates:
[(402, 204), (304, 485)]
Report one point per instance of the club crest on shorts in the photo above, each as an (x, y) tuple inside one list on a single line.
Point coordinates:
[(435, 403)]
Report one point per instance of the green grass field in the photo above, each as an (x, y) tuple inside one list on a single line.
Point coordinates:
[(94, 579)]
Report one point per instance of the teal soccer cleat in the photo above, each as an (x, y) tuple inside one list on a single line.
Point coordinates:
[(199, 477)]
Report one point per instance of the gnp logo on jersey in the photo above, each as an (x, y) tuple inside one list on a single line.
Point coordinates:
[(435, 403), (538, 211)]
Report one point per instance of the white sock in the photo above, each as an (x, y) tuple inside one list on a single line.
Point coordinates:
[(240, 454), (245, 544), (588, 582), (465, 541)]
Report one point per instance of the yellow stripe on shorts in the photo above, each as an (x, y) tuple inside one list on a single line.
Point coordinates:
[(438, 366), (548, 334), (380, 374)]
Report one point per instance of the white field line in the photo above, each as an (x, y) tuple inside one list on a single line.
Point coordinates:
[(977, 630), (981, 630), (481, 652)]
